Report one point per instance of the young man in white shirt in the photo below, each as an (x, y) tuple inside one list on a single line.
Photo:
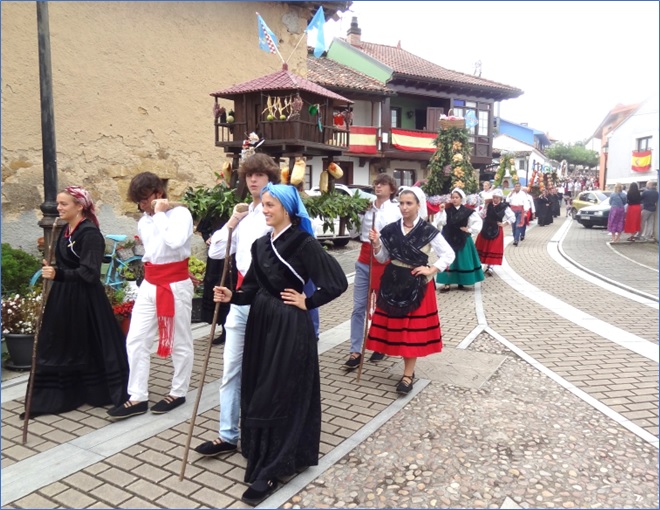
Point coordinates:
[(164, 300), (257, 171), (386, 211)]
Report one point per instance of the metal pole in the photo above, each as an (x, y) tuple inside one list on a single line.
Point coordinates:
[(49, 206)]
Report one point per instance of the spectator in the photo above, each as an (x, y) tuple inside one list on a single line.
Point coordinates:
[(617, 213), (633, 221), (649, 208)]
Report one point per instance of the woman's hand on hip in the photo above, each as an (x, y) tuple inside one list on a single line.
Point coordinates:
[(291, 297), (424, 270)]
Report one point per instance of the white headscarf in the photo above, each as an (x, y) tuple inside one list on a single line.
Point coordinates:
[(423, 212), (460, 192)]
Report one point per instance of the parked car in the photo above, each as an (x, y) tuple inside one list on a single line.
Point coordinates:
[(363, 187), (594, 214), (317, 223), (586, 199)]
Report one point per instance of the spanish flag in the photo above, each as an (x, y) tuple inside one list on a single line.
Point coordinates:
[(641, 161)]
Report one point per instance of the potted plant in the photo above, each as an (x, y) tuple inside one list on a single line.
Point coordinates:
[(196, 270), (122, 302), (20, 314)]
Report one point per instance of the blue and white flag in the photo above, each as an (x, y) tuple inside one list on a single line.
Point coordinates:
[(266, 36), (317, 23)]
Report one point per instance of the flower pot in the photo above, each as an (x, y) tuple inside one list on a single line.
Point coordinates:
[(125, 324), (196, 310), (19, 347)]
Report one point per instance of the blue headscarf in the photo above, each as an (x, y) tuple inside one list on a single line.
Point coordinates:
[(290, 200)]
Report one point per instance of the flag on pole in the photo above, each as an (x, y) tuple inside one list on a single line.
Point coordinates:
[(266, 36), (641, 161), (317, 23)]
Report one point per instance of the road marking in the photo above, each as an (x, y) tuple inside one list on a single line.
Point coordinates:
[(609, 244)]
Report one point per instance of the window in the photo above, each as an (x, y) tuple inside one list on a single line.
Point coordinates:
[(644, 144), (404, 177), (308, 176), (396, 117), (521, 164)]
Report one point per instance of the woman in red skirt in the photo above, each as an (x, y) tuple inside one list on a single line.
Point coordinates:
[(490, 241), (406, 321), (633, 222)]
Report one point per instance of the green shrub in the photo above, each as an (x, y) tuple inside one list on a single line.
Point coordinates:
[(18, 267)]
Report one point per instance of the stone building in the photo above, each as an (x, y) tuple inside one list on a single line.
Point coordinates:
[(131, 85)]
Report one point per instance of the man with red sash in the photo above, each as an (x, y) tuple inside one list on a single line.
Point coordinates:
[(386, 212), (164, 301), (520, 204), (248, 226)]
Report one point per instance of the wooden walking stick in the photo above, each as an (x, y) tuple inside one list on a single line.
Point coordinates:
[(44, 297), (369, 298), (216, 312)]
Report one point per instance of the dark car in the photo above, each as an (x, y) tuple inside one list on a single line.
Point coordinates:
[(594, 214)]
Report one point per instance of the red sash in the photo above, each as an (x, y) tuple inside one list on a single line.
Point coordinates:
[(377, 268), (161, 275)]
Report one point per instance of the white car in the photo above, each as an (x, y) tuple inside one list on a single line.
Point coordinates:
[(317, 223)]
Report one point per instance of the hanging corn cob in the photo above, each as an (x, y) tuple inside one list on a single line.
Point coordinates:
[(298, 173)]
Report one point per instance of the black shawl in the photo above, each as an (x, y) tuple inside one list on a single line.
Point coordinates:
[(494, 215), (401, 292), (456, 218)]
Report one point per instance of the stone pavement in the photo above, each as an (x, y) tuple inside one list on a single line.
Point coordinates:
[(545, 396)]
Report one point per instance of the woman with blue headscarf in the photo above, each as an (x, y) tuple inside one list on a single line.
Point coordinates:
[(281, 394)]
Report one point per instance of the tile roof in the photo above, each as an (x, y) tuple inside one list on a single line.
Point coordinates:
[(406, 64), (281, 80), (329, 73)]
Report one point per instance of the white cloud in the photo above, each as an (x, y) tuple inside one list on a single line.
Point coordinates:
[(574, 60)]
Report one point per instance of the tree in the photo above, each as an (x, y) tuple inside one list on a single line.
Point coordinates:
[(574, 154), (450, 165)]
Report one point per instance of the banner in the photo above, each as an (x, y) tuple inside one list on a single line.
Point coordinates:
[(363, 140), (641, 161), (413, 140)]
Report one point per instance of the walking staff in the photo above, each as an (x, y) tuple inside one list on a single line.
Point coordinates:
[(369, 302), (216, 312), (44, 298)]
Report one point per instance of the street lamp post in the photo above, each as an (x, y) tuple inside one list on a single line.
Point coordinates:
[(49, 206)]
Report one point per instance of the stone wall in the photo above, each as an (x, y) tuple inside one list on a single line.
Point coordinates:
[(131, 84)]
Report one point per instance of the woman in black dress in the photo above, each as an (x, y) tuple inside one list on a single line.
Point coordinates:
[(81, 352), (281, 395)]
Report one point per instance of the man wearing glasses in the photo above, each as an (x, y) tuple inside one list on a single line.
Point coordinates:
[(164, 301)]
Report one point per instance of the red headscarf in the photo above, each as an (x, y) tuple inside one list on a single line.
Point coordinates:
[(82, 196)]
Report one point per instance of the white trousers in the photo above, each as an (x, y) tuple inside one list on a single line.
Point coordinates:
[(144, 331)]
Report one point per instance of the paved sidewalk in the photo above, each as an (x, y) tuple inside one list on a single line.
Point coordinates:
[(533, 403)]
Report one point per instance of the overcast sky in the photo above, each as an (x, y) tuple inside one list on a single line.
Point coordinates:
[(574, 60)]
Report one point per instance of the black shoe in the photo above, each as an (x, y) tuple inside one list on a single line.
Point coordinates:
[(167, 404), (32, 415), (211, 448), (376, 356), (353, 362), (126, 410), (259, 491), (522, 238), (461, 287), (404, 387), (219, 340), (515, 243)]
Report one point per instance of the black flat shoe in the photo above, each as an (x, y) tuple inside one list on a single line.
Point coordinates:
[(405, 384), (167, 404), (376, 356), (212, 448), (445, 288), (353, 362), (259, 491), (461, 287), (32, 415), (128, 409)]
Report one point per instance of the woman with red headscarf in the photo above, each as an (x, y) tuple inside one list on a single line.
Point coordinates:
[(81, 352)]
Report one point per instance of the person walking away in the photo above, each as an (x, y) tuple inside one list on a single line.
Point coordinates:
[(633, 222), (519, 204), (617, 214), (406, 321), (555, 202), (490, 241), (281, 393), (247, 226), (81, 353), (459, 223), (164, 301), (543, 209), (649, 208), (386, 211)]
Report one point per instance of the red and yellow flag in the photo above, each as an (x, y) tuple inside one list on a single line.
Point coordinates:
[(641, 161)]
